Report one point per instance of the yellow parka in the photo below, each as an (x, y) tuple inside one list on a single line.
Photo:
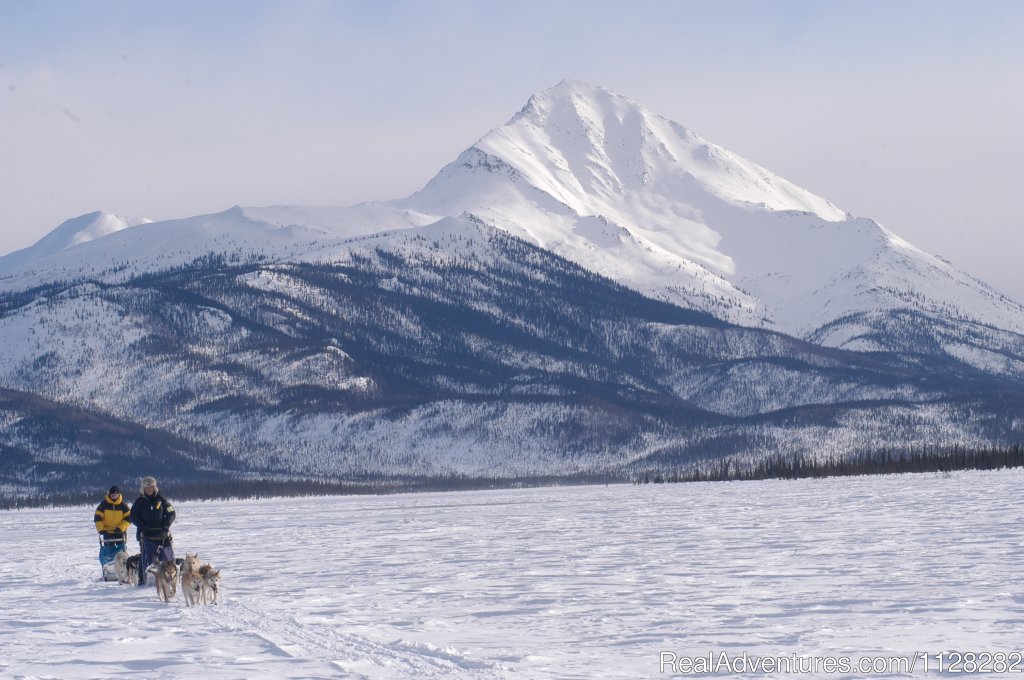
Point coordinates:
[(111, 516)]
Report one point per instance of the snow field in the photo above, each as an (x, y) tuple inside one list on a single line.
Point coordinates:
[(581, 582)]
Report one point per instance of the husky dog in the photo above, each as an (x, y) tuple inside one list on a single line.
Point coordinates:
[(210, 591), (121, 567), (166, 573), (191, 582), (192, 588), (190, 563), (131, 568), (133, 565)]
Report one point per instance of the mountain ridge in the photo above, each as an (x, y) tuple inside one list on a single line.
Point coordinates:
[(593, 176), (70, 233), (589, 288), (456, 349)]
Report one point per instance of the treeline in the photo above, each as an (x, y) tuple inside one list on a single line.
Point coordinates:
[(221, 489), (179, 491), (879, 462)]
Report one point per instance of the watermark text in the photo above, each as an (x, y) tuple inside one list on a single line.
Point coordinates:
[(724, 663)]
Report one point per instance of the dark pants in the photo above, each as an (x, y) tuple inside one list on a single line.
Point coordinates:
[(152, 552)]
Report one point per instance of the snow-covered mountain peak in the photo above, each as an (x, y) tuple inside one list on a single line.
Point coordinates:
[(540, 102), (599, 179), (73, 232), (239, 233), (588, 146), (584, 99), (88, 228), (578, 152), (68, 235)]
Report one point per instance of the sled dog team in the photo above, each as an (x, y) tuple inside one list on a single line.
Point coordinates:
[(200, 583), (152, 515)]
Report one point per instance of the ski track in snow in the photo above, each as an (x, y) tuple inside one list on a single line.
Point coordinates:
[(583, 582)]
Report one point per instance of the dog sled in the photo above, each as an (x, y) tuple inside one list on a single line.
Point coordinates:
[(109, 547)]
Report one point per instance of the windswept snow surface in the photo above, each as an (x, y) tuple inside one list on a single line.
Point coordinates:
[(71, 233), (583, 582), (238, 234)]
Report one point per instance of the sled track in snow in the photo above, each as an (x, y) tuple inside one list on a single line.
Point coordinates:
[(354, 654)]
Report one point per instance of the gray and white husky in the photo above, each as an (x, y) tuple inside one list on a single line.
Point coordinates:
[(121, 567)]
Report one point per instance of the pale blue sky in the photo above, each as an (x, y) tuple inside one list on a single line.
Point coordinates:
[(908, 112)]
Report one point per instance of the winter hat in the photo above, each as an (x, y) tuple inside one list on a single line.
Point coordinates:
[(147, 481), (114, 489)]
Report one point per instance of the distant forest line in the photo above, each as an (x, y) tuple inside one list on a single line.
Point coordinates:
[(880, 462), (244, 489)]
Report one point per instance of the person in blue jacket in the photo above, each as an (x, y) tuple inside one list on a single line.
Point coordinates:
[(152, 515)]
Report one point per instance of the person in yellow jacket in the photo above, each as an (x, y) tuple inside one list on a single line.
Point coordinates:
[(111, 523)]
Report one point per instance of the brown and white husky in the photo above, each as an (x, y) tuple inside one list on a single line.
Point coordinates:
[(191, 581), (210, 591), (166, 573)]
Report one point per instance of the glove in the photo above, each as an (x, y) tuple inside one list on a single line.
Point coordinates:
[(113, 534)]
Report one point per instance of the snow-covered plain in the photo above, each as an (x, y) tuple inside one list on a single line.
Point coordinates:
[(580, 582)]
